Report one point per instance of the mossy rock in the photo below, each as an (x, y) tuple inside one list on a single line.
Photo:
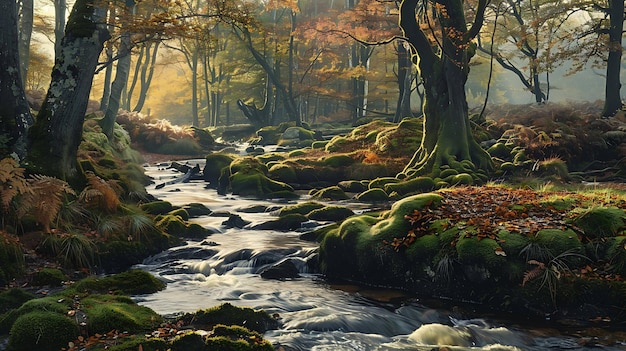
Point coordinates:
[(336, 143), (512, 243), (129, 317), (215, 162), (131, 282), (318, 145), (302, 208), (499, 150), (173, 225), (42, 331), (460, 179), (270, 157), (287, 222), (157, 207), (600, 222), (283, 173), (507, 167), (552, 167), (330, 193), (338, 160), (373, 195), (134, 344), (559, 241), (183, 146), (49, 276), (471, 250), (296, 153), (295, 133), (189, 342), (247, 165), (424, 248), (330, 213), (352, 186), (13, 298), (180, 212), (338, 247), (236, 338), (256, 184), (411, 186), (196, 209), (203, 136), (381, 182), (255, 320)]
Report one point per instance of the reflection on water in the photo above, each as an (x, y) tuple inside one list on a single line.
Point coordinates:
[(316, 315)]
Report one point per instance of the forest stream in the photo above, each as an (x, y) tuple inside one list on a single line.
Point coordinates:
[(316, 314)]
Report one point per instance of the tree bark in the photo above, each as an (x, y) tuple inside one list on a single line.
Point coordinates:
[(403, 106), (612, 100), (15, 116), (25, 33), (447, 138), (57, 133), (60, 6), (119, 83)]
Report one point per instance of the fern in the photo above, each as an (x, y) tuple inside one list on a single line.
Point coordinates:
[(101, 192), (45, 199), (12, 182)]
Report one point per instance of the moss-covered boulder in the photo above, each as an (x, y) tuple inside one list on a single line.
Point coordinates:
[(337, 160), (283, 172), (49, 276), (373, 195), (13, 298), (228, 314), (330, 213), (196, 209), (215, 162), (42, 330), (599, 222), (158, 207), (131, 282), (121, 314), (381, 182), (137, 343), (256, 184), (329, 193), (352, 186), (560, 241), (302, 208), (287, 222), (191, 341)]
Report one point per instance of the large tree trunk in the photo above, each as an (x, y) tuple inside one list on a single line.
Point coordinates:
[(15, 116), (447, 138), (612, 99), (25, 32), (57, 133)]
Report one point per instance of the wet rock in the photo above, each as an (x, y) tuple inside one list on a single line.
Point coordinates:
[(235, 221), (283, 270), (253, 209)]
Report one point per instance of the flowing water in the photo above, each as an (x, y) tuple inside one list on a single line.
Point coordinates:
[(315, 314)]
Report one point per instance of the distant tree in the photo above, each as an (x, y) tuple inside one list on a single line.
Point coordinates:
[(26, 21), (57, 132), (15, 116), (612, 100), (443, 66)]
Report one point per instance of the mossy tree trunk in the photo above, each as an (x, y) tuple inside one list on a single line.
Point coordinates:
[(443, 68), (15, 116), (57, 132)]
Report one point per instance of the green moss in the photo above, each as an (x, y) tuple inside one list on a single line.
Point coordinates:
[(373, 195), (599, 222), (270, 157), (337, 160), (226, 313), (329, 193), (131, 282), (197, 209), (256, 184), (336, 143), (287, 222), (173, 225), (157, 207), (247, 165), (13, 298), (553, 167), (215, 162), (483, 252), (236, 338), (330, 213), (448, 172), (461, 179), (317, 145), (283, 172), (512, 243), (559, 241), (413, 185), (11, 259), (130, 317), (49, 276), (188, 342), (43, 331), (424, 249), (302, 208), (381, 182), (499, 150), (134, 344), (180, 212)]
